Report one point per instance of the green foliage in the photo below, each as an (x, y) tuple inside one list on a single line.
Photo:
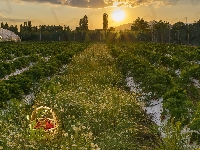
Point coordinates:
[(168, 72), (139, 24), (173, 138), (87, 38), (47, 59), (93, 112), (152, 79), (155, 66), (195, 124), (88, 97), (177, 102)]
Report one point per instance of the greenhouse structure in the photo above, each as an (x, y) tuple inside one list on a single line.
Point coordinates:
[(7, 35)]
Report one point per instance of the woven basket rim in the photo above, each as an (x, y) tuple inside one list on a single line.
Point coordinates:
[(54, 119)]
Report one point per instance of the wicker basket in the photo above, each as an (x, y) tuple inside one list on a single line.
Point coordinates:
[(48, 122)]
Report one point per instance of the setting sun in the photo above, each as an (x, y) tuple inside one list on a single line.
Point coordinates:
[(118, 15)]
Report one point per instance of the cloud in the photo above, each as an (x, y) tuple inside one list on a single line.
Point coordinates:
[(9, 19), (105, 3)]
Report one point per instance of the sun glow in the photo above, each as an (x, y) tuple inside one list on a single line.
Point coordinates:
[(118, 15)]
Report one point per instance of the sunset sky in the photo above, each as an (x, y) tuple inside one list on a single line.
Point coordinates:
[(69, 12)]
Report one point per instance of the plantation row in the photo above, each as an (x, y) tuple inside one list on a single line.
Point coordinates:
[(9, 51), (51, 58), (167, 71), (6, 68)]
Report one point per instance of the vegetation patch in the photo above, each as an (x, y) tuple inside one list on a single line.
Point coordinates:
[(93, 112), (170, 72)]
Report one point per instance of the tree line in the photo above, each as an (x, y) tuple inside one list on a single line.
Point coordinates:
[(141, 30), (164, 32)]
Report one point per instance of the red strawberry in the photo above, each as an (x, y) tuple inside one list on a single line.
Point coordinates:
[(49, 125)]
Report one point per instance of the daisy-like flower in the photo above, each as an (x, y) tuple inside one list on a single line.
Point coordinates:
[(27, 117)]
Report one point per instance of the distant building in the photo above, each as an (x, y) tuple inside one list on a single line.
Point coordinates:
[(28, 27)]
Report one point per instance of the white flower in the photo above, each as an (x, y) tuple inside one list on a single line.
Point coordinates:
[(74, 128), (92, 145), (83, 127), (27, 117)]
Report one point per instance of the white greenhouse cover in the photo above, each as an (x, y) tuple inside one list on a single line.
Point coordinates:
[(7, 35)]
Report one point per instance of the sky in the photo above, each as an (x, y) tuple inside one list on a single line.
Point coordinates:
[(69, 12)]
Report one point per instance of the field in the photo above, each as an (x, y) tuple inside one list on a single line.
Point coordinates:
[(23, 66), (167, 72), (85, 86)]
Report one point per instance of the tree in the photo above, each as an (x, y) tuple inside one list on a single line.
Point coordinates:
[(195, 32), (2, 25), (66, 33), (139, 25), (6, 26), (160, 27), (29, 26), (179, 31), (87, 38), (66, 28), (83, 27), (105, 22), (83, 23)]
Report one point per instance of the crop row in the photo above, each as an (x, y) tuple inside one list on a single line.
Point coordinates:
[(21, 84), (144, 73), (178, 51), (10, 51), (169, 59), (161, 55), (7, 68)]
